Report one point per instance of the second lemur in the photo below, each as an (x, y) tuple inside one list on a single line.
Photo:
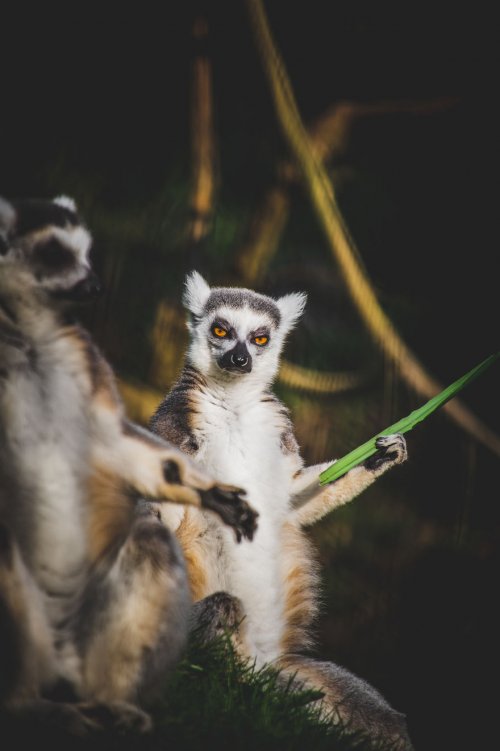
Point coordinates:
[(94, 598), (222, 411)]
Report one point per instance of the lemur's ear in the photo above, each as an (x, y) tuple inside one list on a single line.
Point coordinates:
[(196, 293), (66, 202), (7, 223), (291, 308), (7, 215)]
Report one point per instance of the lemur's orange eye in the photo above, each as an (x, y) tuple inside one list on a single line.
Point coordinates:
[(219, 331), (261, 340)]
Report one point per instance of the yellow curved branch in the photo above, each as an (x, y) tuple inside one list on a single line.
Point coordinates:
[(328, 136), (141, 401), (204, 180), (315, 381), (341, 244)]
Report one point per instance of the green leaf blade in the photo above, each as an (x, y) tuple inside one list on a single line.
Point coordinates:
[(367, 449)]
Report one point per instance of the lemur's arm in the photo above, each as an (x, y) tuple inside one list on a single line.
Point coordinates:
[(311, 501), (149, 465)]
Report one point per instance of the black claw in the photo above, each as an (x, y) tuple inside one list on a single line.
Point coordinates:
[(382, 456), (171, 472), (378, 459)]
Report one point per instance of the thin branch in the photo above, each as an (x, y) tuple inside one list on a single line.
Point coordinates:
[(322, 196)]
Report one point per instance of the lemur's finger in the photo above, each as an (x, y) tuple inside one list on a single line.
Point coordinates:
[(391, 449), (232, 509)]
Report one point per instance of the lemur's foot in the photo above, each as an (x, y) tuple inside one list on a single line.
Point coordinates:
[(391, 450), (227, 502), (216, 614), (220, 615), (117, 716), (189, 483), (69, 722)]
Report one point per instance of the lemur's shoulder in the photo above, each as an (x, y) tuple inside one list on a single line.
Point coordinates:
[(100, 375), (288, 442), (174, 418)]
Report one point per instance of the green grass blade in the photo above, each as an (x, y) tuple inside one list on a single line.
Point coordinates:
[(407, 423)]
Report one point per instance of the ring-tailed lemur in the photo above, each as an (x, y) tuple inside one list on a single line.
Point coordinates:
[(94, 600), (222, 412)]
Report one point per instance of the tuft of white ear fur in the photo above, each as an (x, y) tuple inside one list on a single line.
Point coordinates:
[(196, 293), (7, 215), (291, 308), (66, 202)]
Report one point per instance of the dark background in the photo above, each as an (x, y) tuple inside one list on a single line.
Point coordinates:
[(97, 106)]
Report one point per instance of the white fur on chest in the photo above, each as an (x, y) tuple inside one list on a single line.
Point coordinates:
[(240, 445), (45, 414)]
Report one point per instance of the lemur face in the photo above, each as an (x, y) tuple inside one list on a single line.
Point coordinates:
[(46, 246), (238, 336), (236, 332)]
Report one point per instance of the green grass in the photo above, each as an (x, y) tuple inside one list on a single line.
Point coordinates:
[(214, 700), (215, 697)]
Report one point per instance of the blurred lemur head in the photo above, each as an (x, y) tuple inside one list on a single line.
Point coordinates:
[(44, 251), (237, 333)]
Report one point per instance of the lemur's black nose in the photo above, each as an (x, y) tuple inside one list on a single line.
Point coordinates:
[(86, 289), (236, 360), (89, 288), (239, 360), (92, 285)]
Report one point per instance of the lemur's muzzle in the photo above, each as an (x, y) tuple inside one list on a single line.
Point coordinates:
[(237, 360), (86, 289)]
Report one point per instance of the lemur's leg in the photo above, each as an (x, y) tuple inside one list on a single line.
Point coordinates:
[(133, 624), (311, 501), (217, 615), (348, 701), (28, 659), (155, 469), (27, 656), (130, 631)]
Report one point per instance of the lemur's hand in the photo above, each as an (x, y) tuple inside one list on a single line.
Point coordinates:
[(227, 502), (391, 451)]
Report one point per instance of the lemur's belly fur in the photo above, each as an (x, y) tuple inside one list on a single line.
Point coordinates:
[(242, 447), (54, 468)]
